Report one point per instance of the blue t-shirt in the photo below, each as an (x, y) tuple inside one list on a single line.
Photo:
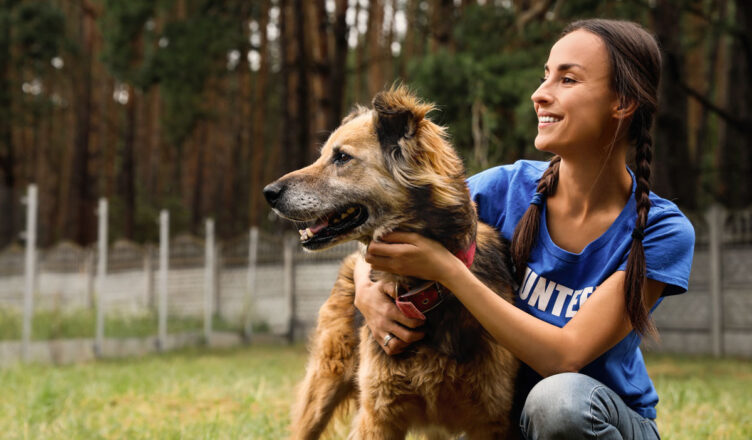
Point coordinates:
[(558, 282)]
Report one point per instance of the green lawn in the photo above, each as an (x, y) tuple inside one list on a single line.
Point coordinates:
[(81, 323), (246, 393)]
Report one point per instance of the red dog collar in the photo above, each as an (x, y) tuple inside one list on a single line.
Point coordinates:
[(426, 297)]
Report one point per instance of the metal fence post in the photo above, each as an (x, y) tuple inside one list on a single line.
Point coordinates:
[(149, 277), (208, 280), (253, 238), (101, 271), (91, 279), (164, 231), (30, 269), (715, 218), (289, 284)]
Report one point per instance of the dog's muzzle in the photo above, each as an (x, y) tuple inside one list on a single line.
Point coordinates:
[(273, 192)]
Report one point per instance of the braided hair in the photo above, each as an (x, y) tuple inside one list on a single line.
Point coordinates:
[(635, 62)]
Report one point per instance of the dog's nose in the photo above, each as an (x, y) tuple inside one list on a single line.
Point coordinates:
[(273, 192)]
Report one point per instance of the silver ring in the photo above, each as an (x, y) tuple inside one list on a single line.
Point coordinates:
[(388, 338)]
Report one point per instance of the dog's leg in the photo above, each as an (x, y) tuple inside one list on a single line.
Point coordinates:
[(384, 407), (330, 376), (369, 427)]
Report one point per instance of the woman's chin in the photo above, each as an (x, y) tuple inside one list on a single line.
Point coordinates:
[(544, 145)]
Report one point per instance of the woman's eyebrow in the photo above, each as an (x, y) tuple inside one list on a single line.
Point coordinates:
[(565, 66)]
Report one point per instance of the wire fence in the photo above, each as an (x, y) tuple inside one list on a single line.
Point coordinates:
[(128, 299), (69, 303)]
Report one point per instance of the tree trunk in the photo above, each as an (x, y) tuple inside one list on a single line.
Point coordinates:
[(442, 18), (715, 57), (339, 64), (374, 47), (410, 46), (7, 157), (199, 179), (674, 176), (258, 142), (77, 214), (735, 157), (127, 174), (317, 48), (359, 57), (296, 124), (304, 144)]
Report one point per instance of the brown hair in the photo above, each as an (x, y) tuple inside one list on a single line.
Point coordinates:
[(635, 62)]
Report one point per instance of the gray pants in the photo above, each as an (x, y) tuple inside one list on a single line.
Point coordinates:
[(576, 406)]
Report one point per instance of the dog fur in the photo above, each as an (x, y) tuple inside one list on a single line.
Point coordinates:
[(398, 171)]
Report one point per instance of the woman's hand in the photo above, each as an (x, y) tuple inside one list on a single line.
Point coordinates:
[(381, 314), (410, 254)]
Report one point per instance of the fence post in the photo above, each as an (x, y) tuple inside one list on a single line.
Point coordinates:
[(101, 271), (91, 275), (30, 269), (164, 231), (715, 218), (149, 277), (208, 280), (253, 238), (289, 283)]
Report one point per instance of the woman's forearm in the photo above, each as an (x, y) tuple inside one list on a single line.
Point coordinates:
[(543, 346)]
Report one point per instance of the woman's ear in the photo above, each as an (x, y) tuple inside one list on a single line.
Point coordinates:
[(624, 108)]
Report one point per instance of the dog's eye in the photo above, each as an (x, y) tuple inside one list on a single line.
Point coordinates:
[(341, 158)]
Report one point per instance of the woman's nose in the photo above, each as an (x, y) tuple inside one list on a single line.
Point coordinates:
[(542, 94)]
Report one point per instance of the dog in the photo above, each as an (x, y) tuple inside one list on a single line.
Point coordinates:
[(385, 169)]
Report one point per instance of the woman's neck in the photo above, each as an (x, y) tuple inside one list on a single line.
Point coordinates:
[(593, 183)]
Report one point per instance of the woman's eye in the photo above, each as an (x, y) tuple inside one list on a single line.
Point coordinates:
[(341, 158), (566, 80)]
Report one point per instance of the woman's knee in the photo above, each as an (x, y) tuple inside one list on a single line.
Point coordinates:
[(557, 407)]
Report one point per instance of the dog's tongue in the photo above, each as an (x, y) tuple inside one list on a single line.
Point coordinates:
[(320, 226)]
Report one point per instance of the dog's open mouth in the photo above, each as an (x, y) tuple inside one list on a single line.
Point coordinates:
[(333, 225)]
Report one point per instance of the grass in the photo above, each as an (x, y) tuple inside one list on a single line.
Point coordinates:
[(81, 323), (247, 393), (703, 398)]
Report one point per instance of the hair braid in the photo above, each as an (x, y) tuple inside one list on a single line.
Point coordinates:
[(635, 277), (526, 231)]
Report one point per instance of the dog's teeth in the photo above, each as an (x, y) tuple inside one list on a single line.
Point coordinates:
[(336, 220), (308, 232), (343, 216), (351, 210), (301, 232)]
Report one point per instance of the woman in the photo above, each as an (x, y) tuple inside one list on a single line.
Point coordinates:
[(595, 251)]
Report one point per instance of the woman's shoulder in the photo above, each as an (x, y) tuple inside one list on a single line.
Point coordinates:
[(669, 245), (666, 215)]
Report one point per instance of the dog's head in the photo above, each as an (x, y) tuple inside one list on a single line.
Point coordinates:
[(376, 173)]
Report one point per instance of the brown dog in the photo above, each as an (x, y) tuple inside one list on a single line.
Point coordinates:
[(384, 169)]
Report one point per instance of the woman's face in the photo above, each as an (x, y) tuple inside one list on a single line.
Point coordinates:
[(575, 105)]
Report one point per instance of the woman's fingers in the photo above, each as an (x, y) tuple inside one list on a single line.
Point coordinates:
[(400, 237), (392, 321), (392, 313), (401, 338)]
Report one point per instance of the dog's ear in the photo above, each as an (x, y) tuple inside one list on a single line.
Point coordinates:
[(397, 114)]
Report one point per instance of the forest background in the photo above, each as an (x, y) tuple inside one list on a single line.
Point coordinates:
[(194, 105)]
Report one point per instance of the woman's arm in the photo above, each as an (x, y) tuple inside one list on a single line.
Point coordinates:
[(381, 314), (599, 324)]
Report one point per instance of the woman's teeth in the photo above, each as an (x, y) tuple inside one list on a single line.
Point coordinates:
[(548, 119)]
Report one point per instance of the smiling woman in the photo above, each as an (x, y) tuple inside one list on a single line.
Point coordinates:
[(595, 251)]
